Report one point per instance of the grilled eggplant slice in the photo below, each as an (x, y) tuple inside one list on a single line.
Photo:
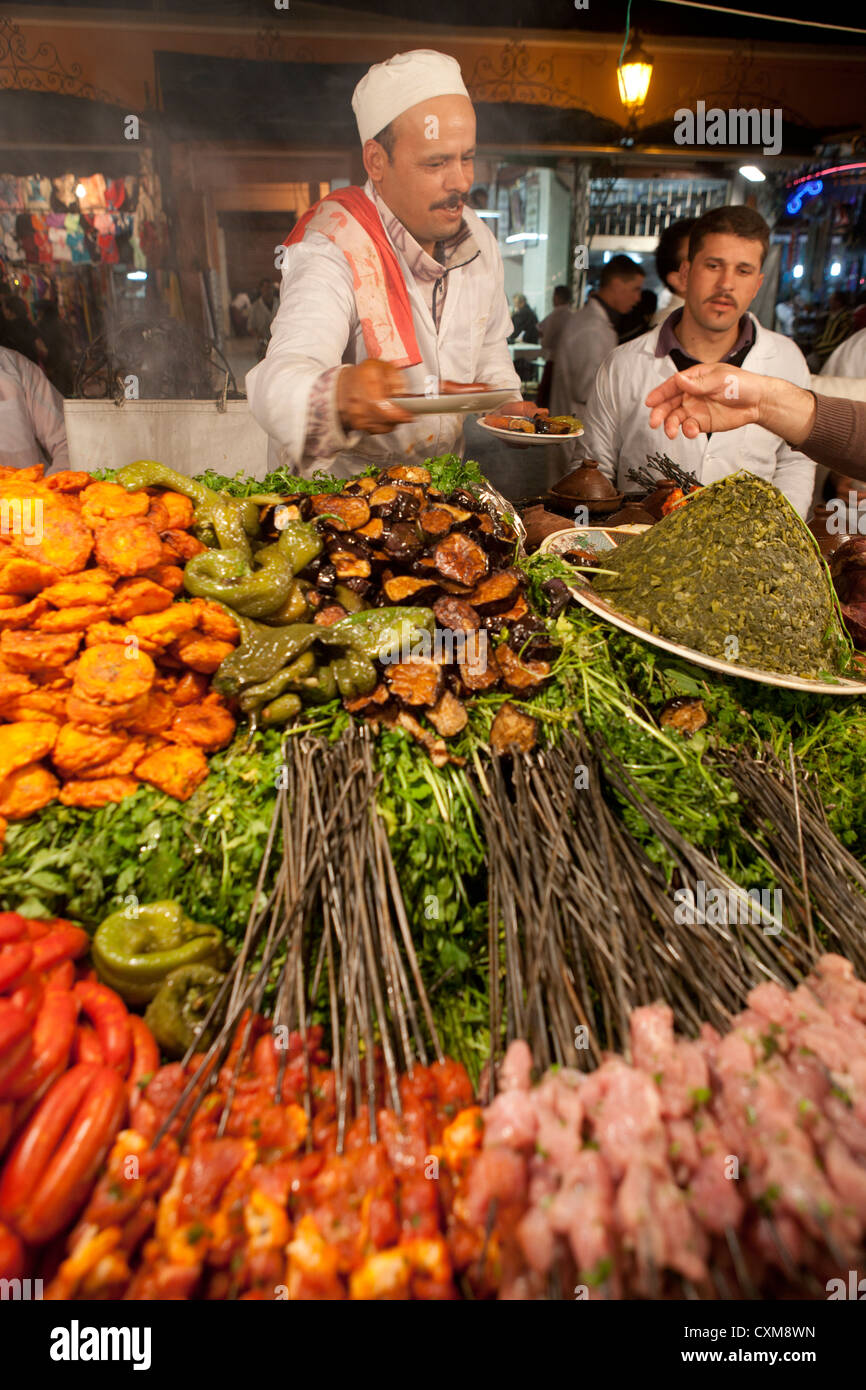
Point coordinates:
[(460, 559), (512, 729)]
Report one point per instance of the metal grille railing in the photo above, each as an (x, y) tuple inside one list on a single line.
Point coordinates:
[(645, 207)]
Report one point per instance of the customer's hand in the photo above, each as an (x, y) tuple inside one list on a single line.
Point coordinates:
[(362, 397), (706, 398)]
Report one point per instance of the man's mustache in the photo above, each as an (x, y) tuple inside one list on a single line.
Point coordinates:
[(455, 202), (720, 298)]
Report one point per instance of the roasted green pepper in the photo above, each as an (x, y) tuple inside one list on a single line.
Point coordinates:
[(263, 651), (281, 710), (133, 951), (294, 610), (176, 1014), (379, 630), (149, 473), (259, 591), (355, 675), (352, 602)]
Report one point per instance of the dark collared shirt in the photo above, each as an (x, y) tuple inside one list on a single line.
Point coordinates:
[(669, 345)]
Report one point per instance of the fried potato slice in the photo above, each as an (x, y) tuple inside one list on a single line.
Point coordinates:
[(24, 576), (175, 770), (179, 546), (181, 512), (104, 502), (156, 715), (134, 597), (207, 725), (80, 747), (70, 619), (90, 795), (188, 688), (213, 621), (33, 651), (202, 654), (25, 615), (132, 752), (89, 586), (111, 674), (27, 790), (67, 480), (33, 474), (100, 716), (116, 632), (37, 704), (167, 626), (170, 576), (24, 742), (8, 601), (128, 546), (65, 542)]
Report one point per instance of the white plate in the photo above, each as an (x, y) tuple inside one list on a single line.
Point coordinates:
[(597, 538), (523, 437), (458, 404), (840, 686)]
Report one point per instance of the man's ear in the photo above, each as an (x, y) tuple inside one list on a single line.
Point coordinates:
[(681, 275), (375, 158)]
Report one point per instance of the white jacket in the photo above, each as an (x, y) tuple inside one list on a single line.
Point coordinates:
[(317, 328), (849, 359), (584, 343), (618, 434), (32, 426)]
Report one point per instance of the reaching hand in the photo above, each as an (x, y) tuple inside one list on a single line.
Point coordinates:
[(706, 398), (362, 397)]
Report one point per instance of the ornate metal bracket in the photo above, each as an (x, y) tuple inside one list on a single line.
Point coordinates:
[(41, 70)]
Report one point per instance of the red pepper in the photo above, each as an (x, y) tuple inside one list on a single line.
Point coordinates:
[(52, 1042), (49, 1173), (87, 1046), (15, 1046), (64, 943), (145, 1055), (27, 995), (110, 1017), (12, 926), (11, 1254), (14, 960), (36, 929), (7, 1123), (61, 976)]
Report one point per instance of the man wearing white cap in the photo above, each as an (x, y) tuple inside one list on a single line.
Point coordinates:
[(387, 290)]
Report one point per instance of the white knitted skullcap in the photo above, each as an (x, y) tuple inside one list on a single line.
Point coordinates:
[(390, 88)]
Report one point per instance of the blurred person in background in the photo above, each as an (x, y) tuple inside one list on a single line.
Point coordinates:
[(592, 333), (639, 319), (672, 260), (849, 359), (524, 322), (549, 333), (262, 313), (785, 318), (239, 310), (32, 428), (838, 326), (17, 330), (60, 355), (727, 248)]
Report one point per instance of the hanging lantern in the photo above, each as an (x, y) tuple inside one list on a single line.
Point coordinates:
[(634, 75)]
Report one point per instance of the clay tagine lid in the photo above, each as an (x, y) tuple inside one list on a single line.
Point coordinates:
[(657, 499), (586, 484), (827, 541), (632, 514)]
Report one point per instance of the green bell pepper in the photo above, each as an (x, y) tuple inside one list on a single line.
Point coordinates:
[(259, 591), (133, 953), (262, 653), (375, 631), (176, 1013), (355, 674)]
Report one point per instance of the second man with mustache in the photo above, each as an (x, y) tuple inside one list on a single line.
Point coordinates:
[(727, 247)]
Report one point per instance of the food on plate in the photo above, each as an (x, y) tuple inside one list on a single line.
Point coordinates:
[(537, 424), (735, 574)]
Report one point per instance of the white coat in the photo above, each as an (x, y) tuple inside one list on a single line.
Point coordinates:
[(317, 327), (583, 345), (618, 434), (849, 358)]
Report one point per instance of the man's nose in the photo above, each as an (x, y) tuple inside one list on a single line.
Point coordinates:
[(459, 177)]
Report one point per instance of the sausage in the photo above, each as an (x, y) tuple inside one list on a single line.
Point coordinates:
[(415, 682), (513, 729), (448, 717), (460, 559), (496, 593), (456, 614), (343, 513)]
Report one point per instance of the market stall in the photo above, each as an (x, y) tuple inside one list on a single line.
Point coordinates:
[(385, 918)]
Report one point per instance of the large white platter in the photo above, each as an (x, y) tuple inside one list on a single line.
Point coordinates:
[(459, 402), (581, 591)]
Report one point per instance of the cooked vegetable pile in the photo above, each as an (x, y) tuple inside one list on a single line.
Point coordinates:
[(104, 678), (399, 597), (734, 574)]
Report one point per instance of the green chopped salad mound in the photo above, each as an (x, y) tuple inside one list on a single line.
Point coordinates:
[(736, 574)]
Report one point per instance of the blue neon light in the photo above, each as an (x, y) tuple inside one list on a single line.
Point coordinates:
[(805, 190)]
